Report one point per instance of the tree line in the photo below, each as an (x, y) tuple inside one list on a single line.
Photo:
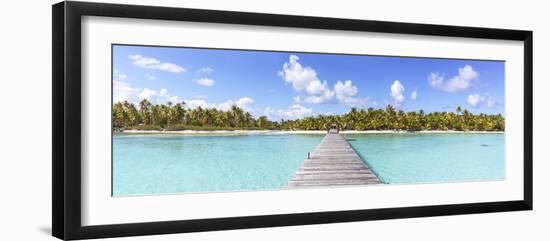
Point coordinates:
[(169, 116)]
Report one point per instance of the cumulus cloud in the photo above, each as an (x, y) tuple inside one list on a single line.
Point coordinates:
[(466, 77), (414, 95), (122, 90), (300, 77), (345, 90), (163, 97), (324, 97), (158, 97), (152, 63), (205, 70), (475, 100), (195, 103), (305, 80), (396, 92), (147, 94), (293, 112), (205, 82), (436, 80), (243, 102), (346, 93)]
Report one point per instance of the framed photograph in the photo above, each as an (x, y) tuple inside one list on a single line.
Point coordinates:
[(169, 120)]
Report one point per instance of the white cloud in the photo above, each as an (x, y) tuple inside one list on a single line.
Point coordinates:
[(396, 92), (205, 82), (324, 97), (159, 97), (414, 95), (304, 79), (225, 105), (125, 91), (122, 90), (297, 111), (147, 94), (466, 77), (205, 70), (474, 100), (152, 63), (243, 103), (345, 90), (316, 88), (194, 103), (300, 77), (436, 80), (293, 112), (163, 97), (346, 94), (150, 77)]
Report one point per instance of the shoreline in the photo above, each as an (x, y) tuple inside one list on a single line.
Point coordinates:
[(303, 132)]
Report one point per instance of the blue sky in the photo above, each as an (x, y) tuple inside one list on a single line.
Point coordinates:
[(292, 85)]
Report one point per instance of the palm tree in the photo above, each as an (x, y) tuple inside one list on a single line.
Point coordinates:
[(176, 114), (119, 115), (262, 121), (145, 111), (132, 113), (126, 115)]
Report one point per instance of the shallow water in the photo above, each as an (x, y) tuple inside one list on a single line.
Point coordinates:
[(165, 164), (431, 158), (169, 164)]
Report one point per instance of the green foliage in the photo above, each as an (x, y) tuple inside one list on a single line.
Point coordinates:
[(390, 119), (171, 116), (176, 117)]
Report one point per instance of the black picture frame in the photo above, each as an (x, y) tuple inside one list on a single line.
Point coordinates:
[(66, 127)]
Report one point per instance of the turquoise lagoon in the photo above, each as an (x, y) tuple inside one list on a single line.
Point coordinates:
[(172, 163), (432, 158), (150, 164)]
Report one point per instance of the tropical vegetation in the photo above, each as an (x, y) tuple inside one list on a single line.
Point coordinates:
[(169, 116)]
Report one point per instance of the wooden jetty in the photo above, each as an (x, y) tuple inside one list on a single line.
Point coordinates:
[(333, 162)]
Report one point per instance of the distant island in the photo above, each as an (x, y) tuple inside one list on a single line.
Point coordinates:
[(176, 117)]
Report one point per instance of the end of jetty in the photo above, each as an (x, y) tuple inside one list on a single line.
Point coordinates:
[(333, 162)]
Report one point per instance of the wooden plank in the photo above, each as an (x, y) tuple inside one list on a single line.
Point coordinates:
[(333, 162)]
